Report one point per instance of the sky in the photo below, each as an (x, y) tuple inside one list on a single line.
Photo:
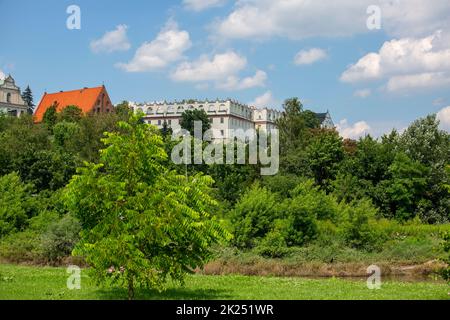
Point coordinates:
[(374, 65)]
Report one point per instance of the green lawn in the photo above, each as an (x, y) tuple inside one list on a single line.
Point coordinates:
[(23, 282)]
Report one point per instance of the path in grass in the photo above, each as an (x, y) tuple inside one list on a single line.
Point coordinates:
[(24, 282)]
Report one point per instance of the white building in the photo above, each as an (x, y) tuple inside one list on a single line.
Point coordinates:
[(11, 101), (225, 116)]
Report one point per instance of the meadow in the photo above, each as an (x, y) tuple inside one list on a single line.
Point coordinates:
[(47, 283)]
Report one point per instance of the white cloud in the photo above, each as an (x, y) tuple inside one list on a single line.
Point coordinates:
[(310, 56), (353, 131), (444, 117), (234, 83), (298, 19), (418, 81), (200, 5), (363, 93), (111, 41), (168, 47), (219, 67), (2, 75), (407, 63), (265, 100)]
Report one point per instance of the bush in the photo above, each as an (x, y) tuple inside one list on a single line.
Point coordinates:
[(358, 225), (318, 204), (273, 245), (300, 224), (48, 239), (60, 238), (253, 216)]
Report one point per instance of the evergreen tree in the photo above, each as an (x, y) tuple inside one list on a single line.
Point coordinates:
[(27, 97)]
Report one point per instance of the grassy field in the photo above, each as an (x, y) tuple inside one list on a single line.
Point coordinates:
[(24, 282)]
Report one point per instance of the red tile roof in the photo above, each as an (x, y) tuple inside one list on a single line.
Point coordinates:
[(85, 99)]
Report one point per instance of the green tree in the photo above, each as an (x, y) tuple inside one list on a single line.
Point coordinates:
[(70, 114), (190, 116), (142, 224), (123, 110), (50, 116), (324, 156), (16, 204), (27, 97)]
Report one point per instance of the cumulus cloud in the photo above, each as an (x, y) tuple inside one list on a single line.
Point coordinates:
[(234, 83), (444, 117), (353, 131), (111, 41), (298, 19), (310, 56), (265, 100), (406, 63), (363, 93), (200, 5), (169, 46)]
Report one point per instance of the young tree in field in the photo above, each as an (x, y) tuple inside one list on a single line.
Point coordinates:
[(142, 224), (190, 116), (27, 97)]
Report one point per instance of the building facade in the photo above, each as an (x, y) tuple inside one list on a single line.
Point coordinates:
[(11, 101), (226, 115), (89, 100)]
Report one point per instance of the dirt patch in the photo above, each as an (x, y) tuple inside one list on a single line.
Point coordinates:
[(318, 269)]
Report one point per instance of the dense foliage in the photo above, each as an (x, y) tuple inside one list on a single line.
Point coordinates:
[(331, 195)]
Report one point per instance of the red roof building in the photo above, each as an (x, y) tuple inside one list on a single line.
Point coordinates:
[(89, 100)]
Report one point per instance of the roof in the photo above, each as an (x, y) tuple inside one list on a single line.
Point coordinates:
[(85, 99), (321, 116)]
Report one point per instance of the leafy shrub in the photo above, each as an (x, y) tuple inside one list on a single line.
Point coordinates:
[(315, 201), (253, 216), (60, 238), (300, 222), (358, 225), (273, 245), (48, 239)]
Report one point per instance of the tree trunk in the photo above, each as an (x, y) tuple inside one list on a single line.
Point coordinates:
[(130, 289)]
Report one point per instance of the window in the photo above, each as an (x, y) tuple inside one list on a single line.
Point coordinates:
[(8, 97), (222, 120), (159, 122), (170, 122), (222, 133)]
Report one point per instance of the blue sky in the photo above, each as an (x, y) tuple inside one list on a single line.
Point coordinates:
[(258, 52)]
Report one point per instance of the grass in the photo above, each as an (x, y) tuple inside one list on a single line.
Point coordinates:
[(45, 283)]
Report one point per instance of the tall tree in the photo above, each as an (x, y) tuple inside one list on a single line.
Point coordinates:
[(27, 97), (190, 116)]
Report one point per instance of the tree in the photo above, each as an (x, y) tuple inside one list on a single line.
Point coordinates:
[(190, 116), (324, 154), (50, 116), (70, 114), (27, 97), (123, 110), (16, 203), (142, 223)]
